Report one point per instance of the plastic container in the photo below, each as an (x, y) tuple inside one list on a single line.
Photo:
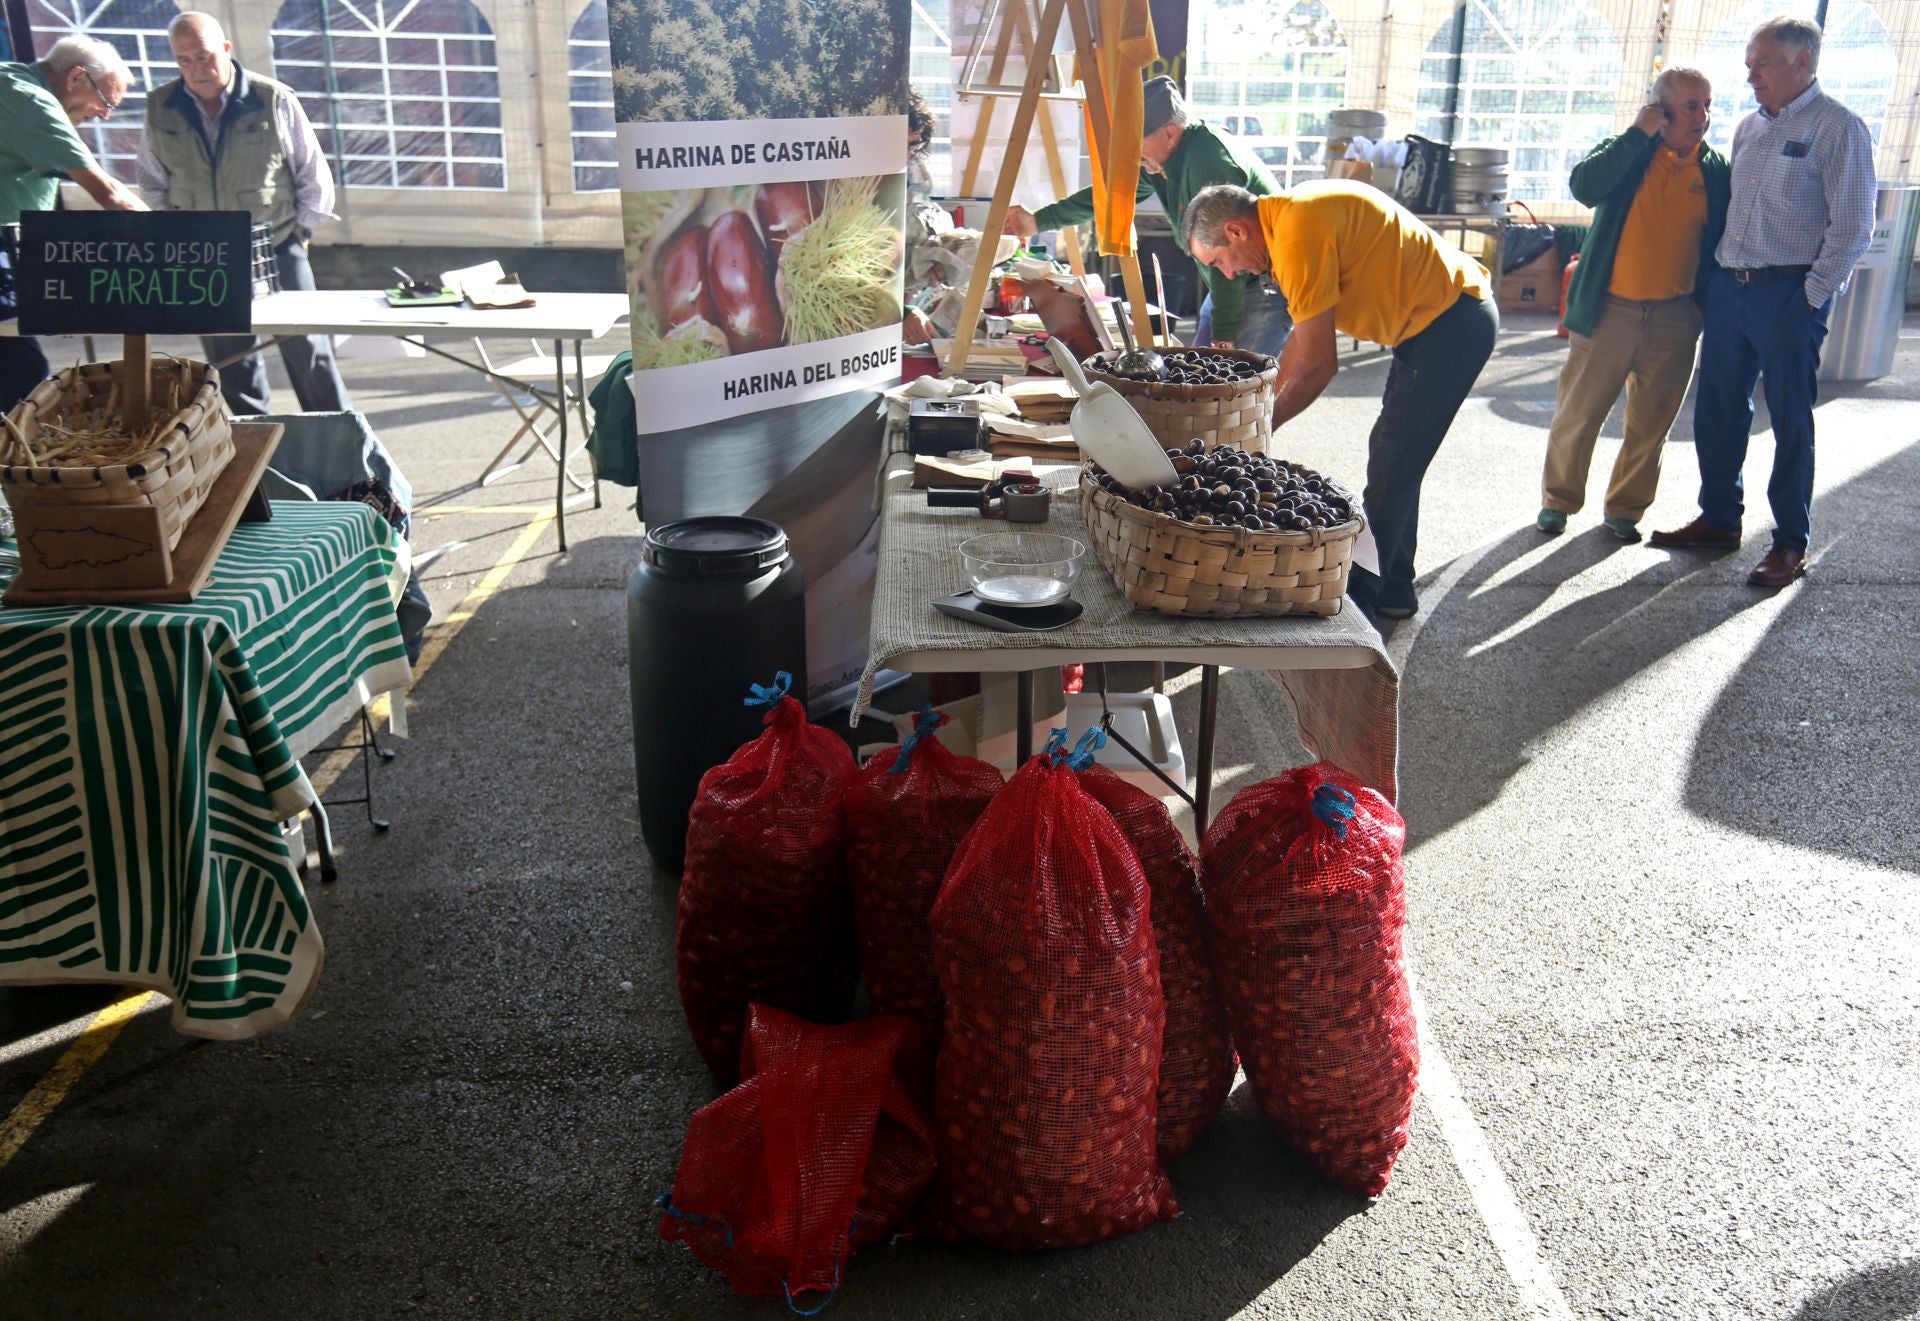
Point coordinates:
[(1022, 568), (715, 605), (1142, 719), (1864, 325)]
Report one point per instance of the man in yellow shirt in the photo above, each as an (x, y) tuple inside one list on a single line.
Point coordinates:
[(1350, 259), (1659, 199)]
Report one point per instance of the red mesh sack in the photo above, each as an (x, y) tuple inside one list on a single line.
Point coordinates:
[(1306, 904), (1196, 1061), (820, 1151), (906, 813), (1044, 1084), (764, 913)]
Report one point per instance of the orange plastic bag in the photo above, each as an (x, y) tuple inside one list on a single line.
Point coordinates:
[(1044, 1088), (764, 913), (906, 812), (820, 1151), (1196, 1066), (1306, 902)]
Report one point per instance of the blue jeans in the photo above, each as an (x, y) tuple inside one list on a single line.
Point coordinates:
[(1753, 331), (1264, 322)]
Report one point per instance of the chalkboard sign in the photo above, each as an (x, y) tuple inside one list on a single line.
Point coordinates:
[(135, 273)]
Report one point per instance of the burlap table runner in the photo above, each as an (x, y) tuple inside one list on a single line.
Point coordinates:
[(1344, 689)]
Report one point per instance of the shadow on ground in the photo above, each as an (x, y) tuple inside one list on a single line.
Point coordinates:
[(1885, 1293), (1810, 742)]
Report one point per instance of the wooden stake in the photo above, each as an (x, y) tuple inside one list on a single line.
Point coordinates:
[(1070, 236), (1003, 191), (136, 368), (984, 122)]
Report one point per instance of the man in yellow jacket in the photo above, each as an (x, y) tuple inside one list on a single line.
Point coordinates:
[(1349, 259)]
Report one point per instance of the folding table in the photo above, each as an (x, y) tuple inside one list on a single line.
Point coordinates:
[(1343, 686), (563, 318)]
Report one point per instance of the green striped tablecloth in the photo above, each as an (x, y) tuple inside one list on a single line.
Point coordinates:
[(149, 753)]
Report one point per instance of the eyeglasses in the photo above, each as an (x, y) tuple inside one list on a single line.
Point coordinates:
[(100, 96)]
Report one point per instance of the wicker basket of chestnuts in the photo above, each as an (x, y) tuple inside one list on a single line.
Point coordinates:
[(1238, 534), (1223, 396)]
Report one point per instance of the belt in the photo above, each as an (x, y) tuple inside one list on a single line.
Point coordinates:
[(1767, 274)]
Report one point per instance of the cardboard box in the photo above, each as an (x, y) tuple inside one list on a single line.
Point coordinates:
[(1534, 287)]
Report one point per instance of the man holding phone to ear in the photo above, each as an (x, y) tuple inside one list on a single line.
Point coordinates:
[(1801, 216), (1635, 306)]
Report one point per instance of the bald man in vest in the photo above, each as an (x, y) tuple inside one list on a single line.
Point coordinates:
[(222, 138)]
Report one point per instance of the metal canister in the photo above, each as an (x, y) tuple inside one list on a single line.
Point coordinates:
[(715, 605)]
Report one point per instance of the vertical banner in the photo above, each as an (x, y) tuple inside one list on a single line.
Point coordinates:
[(763, 153)]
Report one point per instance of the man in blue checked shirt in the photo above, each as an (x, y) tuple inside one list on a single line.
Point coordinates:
[(1801, 216)]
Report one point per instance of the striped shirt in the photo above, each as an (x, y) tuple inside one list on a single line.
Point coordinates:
[(1803, 192)]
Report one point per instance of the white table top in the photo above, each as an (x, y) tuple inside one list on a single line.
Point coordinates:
[(365, 312)]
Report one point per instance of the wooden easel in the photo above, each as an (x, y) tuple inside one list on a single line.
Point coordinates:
[(1018, 25), (1079, 14)]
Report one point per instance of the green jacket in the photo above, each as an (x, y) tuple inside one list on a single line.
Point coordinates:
[(1204, 156), (1607, 180), (613, 439)]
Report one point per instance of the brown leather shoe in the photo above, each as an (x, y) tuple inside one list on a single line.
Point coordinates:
[(1697, 535), (1780, 567)]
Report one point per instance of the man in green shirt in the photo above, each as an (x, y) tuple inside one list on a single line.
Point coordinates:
[(80, 79), (1179, 155)]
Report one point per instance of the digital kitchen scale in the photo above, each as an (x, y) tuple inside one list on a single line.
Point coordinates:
[(1009, 618)]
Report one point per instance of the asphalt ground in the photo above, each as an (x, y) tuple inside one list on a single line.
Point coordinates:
[(1661, 866)]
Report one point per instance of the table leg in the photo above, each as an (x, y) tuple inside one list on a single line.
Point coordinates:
[(1203, 781), (560, 394), (586, 427), (1022, 718)]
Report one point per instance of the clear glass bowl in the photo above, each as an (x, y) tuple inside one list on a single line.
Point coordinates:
[(1022, 568)]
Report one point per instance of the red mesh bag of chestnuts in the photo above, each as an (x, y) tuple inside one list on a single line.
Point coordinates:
[(1044, 1087), (1196, 1066), (906, 812), (1306, 905), (764, 913), (822, 1150)]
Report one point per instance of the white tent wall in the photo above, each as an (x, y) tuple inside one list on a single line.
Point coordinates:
[(536, 207), (1386, 43)]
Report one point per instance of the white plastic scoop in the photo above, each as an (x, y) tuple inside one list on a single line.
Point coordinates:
[(1109, 432)]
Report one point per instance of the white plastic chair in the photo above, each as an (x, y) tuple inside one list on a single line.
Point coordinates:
[(537, 411)]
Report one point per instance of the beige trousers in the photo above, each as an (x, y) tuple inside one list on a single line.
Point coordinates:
[(1647, 346)]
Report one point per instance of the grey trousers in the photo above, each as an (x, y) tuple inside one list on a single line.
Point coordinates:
[(309, 358)]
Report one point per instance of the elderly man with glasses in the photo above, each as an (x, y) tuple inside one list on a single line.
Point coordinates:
[(222, 138), (41, 104)]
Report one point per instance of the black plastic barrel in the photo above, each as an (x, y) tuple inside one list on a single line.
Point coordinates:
[(715, 606)]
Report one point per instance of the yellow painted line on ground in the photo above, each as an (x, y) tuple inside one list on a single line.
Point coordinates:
[(442, 632), (47, 1094), (94, 1039)]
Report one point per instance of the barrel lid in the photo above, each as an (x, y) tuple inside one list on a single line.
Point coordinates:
[(716, 546)]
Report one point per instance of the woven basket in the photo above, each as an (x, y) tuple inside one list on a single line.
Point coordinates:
[(1176, 568), (174, 475), (1235, 413)]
